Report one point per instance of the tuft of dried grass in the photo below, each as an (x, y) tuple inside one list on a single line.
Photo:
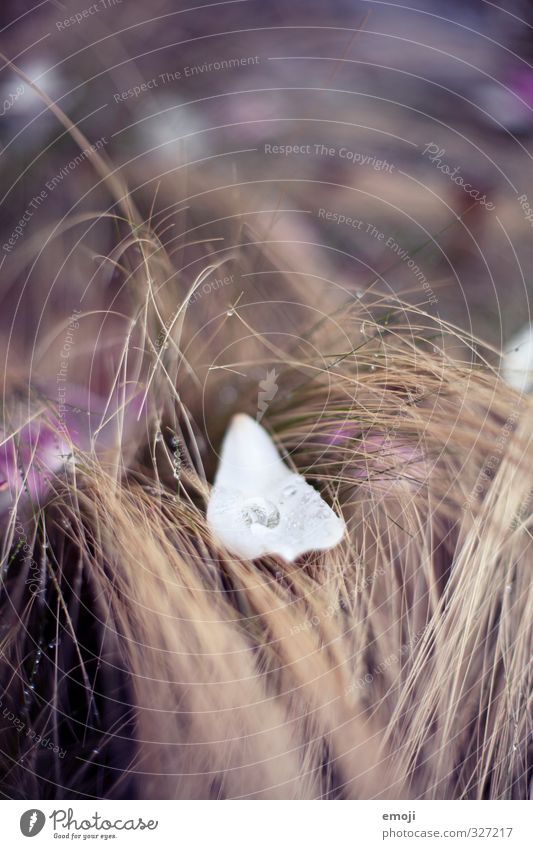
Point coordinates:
[(156, 664)]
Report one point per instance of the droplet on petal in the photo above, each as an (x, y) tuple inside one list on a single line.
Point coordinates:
[(260, 511)]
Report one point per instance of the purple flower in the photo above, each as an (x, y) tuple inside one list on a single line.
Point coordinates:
[(33, 455), (29, 460), (377, 456)]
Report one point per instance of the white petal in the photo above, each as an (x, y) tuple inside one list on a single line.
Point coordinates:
[(258, 506), (249, 460), (517, 365)]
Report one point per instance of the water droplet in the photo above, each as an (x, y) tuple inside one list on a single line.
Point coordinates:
[(230, 312), (158, 436), (359, 293), (508, 588), (260, 511)]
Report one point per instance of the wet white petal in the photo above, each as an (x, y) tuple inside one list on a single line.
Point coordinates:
[(258, 506)]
